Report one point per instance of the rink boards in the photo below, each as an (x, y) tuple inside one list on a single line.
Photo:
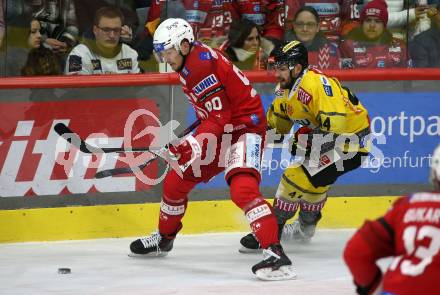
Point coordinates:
[(112, 221)]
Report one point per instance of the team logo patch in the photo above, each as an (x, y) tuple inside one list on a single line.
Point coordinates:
[(205, 84), (75, 63), (304, 96), (96, 64), (124, 64), (255, 120), (380, 63), (205, 56)]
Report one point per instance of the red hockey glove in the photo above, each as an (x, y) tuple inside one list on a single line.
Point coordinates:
[(186, 152), (302, 140)]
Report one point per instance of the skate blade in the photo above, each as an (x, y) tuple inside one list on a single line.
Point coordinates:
[(245, 250), (148, 255), (286, 272)]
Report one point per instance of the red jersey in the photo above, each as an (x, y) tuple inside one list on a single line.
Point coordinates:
[(359, 54), (410, 232), (269, 14), (208, 18), (220, 93)]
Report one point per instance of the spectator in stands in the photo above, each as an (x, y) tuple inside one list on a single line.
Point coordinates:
[(425, 48), (85, 11), (371, 45), (28, 42), (244, 46), (306, 28), (57, 18), (400, 18), (104, 54), (329, 12), (41, 61)]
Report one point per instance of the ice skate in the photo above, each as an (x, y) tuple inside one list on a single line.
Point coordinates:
[(156, 245), (298, 232), (249, 244), (276, 266)]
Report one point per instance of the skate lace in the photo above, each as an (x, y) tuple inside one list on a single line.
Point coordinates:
[(291, 230), (152, 241), (268, 253)]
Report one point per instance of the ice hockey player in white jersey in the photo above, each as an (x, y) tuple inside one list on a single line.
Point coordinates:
[(105, 54)]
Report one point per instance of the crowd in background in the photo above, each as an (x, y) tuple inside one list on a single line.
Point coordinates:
[(53, 37)]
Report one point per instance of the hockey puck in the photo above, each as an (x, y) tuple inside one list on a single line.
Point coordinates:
[(64, 270)]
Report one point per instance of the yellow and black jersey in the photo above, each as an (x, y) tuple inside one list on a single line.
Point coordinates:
[(318, 101)]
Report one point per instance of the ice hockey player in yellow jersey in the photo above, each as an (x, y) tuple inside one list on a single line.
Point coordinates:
[(332, 139)]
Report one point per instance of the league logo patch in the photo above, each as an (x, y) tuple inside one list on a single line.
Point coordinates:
[(304, 96), (75, 63), (205, 84)]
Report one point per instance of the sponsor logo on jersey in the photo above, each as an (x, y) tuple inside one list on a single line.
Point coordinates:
[(258, 19), (195, 16), (96, 64), (75, 63), (185, 72), (304, 96), (327, 88), (324, 160), (124, 64), (205, 84), (395, 49), (205, 56), (326, 9), (359, 50), (211, 92)]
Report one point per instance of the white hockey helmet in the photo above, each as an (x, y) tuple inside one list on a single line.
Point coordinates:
[(170, 33), (435, 168)]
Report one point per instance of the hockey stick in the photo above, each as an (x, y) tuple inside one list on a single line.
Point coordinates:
[(123, 170), (74, 139)]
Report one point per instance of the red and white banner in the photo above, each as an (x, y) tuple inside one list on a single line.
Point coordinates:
[(35, 161)]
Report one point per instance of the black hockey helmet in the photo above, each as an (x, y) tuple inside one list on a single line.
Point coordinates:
[(290, 53)]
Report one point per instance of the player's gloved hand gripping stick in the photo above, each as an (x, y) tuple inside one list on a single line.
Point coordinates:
[(74, 139)]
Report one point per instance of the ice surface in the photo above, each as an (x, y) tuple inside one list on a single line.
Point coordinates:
[(198, 264)]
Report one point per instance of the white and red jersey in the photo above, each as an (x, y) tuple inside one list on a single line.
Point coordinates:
[(410, 232), (210, 18), (269, 14), (220, 93)]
